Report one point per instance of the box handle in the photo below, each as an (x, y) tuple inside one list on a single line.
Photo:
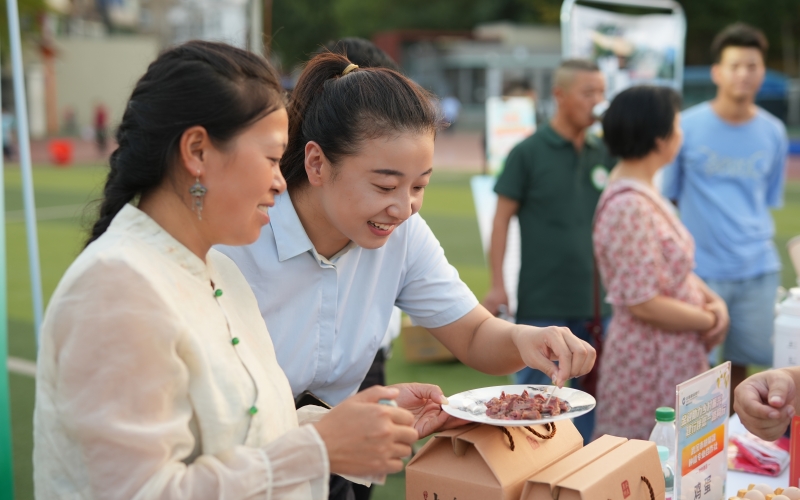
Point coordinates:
[(650, 487), (508, 435), (550, 426)]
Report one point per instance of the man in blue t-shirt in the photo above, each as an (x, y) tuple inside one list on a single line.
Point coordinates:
[(728, 175)]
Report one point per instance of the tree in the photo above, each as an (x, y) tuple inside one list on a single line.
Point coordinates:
[(303, 25), (29, 12), (776, 18), (300, 27)]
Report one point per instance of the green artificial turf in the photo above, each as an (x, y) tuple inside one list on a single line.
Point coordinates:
[(448, 209), (60, 240)]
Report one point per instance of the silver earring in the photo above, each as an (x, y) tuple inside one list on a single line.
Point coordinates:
[(198, 191)]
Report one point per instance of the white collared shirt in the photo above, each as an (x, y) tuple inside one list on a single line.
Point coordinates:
[(327, 317), (151, 385)]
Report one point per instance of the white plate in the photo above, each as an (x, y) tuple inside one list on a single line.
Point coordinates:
[(470, 405)]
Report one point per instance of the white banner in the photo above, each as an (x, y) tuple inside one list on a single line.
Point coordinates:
[(509, 120), (629, 49), (485, 206)]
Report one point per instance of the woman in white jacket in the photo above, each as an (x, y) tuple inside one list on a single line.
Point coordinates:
[(157, 377)]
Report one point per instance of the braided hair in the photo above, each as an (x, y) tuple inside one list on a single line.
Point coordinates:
[(219, 87)]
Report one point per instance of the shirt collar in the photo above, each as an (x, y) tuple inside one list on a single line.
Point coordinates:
[(130, 220), (290, 236), (551, 136), (333, 260)]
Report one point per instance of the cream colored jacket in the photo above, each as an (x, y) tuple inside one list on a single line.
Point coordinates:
[(152, 386)]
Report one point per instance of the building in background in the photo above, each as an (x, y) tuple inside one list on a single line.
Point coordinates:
[(486, 61), (86, 53), (475, 65)]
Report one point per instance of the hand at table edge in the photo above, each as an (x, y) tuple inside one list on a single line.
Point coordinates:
[(765, 402)]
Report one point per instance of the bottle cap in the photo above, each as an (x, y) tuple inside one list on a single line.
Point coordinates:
[(665, 414), (663, 453)]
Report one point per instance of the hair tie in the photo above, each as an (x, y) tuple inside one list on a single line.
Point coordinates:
[(350, 67)]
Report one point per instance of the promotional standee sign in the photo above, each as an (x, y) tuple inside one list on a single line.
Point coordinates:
[(509, 120), (629, 49), (701, 421), (485, 206)]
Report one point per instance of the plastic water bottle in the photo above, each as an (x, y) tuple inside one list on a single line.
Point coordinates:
[(664, 432), (666, 468), (786, 345)]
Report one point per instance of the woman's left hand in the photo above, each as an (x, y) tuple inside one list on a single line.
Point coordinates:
[(425, 402)]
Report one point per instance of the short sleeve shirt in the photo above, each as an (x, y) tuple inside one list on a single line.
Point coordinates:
[(557, 188), (725, 180), (327, 317)]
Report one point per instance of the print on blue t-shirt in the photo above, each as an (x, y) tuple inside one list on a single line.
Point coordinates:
[(725, 179)]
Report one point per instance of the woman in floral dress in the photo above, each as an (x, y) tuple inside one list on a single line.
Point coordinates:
[(665, 318)]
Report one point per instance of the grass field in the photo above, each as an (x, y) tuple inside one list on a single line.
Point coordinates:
[(448, 209)]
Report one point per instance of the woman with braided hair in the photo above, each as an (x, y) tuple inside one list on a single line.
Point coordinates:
[(156, 375)]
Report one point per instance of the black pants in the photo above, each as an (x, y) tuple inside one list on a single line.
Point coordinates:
[(341, 488)]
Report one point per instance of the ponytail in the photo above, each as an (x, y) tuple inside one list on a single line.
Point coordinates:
[(213, 85), (339, 112)]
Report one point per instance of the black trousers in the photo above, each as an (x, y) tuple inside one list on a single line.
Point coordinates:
[(341, 488)]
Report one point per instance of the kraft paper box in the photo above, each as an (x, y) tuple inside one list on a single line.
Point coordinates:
[(476, 462), (541, 486), (617, 475), (420, 346)]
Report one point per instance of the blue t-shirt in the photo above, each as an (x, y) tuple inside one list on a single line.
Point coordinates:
[(725, 179)]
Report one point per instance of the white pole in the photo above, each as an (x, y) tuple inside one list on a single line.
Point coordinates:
[(256, 30), (20, 104)]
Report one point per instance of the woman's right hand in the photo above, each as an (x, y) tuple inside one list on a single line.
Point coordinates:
[(364, 438), (716, 335)]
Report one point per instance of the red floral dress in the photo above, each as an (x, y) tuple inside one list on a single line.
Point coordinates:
[(642, 251)]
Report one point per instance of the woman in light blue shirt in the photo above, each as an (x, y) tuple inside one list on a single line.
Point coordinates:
[(346, 244)]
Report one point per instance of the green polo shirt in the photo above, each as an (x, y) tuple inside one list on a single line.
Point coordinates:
[(557, 188)]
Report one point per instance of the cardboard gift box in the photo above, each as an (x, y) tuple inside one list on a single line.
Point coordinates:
[(420, 346), (542, 486), (477, 461), (617, 475)]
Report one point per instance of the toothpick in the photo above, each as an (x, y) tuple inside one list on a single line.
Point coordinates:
[(550, 393)]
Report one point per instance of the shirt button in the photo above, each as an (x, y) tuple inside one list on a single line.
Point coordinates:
[(218, 292), (253, 410), (235, 340)]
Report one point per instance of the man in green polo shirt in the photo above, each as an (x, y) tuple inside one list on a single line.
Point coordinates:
[(552, 181)]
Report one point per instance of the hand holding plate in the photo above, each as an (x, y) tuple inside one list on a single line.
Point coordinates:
[(425, 402)]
